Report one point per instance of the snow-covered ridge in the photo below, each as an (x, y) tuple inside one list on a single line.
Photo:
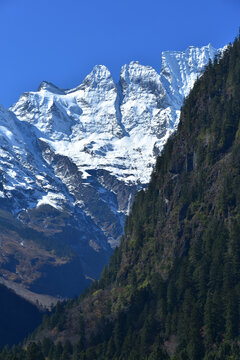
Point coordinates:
[(86, 150), (117, 127), (181, 69), (72, 160)]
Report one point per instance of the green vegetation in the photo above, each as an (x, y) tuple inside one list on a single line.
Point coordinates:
[(172, 288)]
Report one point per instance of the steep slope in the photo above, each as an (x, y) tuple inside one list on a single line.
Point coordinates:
[(173, 284), (110, 134), (72, 161), (42, 234)]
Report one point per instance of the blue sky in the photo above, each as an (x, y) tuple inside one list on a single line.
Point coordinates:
[(61, 40)]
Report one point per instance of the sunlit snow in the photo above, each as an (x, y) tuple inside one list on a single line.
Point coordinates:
[(98, 125)]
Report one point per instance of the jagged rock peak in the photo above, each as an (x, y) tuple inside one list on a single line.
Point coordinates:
[(100, 71), (48, 86), (135, 70), (129, 121), (180, 70), (99, 77), (191, 51), (137, 78)]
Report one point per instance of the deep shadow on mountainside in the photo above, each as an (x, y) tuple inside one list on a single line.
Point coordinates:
[(17, 317), (172, 288)]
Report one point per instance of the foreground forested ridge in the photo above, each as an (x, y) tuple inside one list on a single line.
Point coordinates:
[(172, 288)]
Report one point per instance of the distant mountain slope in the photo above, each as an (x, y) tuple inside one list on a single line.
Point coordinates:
[(72, 161), (172, 288)]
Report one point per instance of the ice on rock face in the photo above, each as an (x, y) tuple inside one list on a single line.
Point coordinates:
[(116, 127), (22, 165), (143, 93), (77, 113), (181, 69), (45, 110), (97, 97)]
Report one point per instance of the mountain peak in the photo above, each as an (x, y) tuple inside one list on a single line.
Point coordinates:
[(134, 62), (50, 87), (180, 69), (146, 106), (100, 72), (86, 150)]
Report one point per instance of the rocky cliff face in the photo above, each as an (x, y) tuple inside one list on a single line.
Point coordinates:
[(84, 152)]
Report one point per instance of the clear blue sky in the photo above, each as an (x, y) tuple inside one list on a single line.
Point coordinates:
[(61, 40)]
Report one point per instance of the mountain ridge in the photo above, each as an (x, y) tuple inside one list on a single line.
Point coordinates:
[(72, 160), (171, 289)]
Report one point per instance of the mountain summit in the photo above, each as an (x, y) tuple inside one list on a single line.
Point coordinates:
[(172, 287), (72, 161), (99, 123)]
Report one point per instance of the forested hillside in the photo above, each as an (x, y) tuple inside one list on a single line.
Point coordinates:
[(172, 288)]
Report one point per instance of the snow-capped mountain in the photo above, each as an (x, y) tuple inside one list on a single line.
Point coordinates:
[(115, 127), (84, 152)]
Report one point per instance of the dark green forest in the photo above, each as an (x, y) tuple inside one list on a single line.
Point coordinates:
[(172, 288)]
